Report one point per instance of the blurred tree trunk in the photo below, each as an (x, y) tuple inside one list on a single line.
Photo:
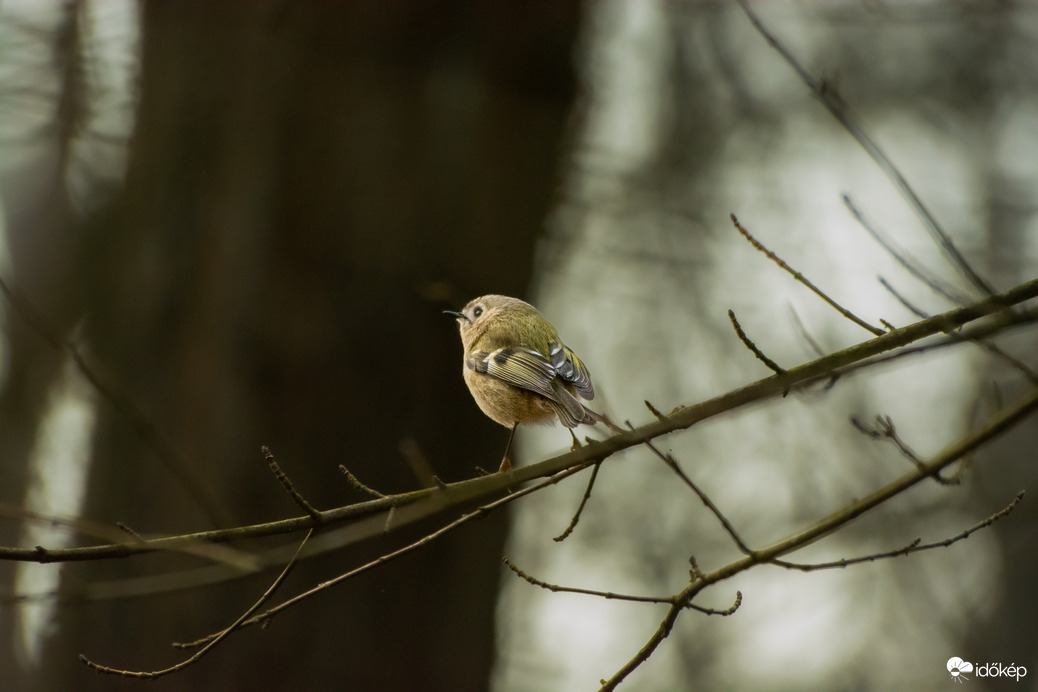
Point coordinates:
[(310, 184)]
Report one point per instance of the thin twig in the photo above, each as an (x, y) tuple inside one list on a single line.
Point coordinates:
[(838, 108), (124, 407), (151, 675), (673, 464), (989, 346), (828, 525), (876, 331), (913, 266), (811, 342), (913, 547), (267, 615), (885, 430), (901, 298), (655, 411), (610, 595), (587, 592), (976, 333), (128, 530), (852, 359), (580, 508), (357, 485), (287, 485), (240, 561), (752, 346)]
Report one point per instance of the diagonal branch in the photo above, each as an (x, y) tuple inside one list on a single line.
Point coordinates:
[(997, 426), (911, 265), (127, 409), (748, 343), (479, 512), (151, 675), (416, 505), (580, 508), (612, 596), (915, 546), (875, 331), (839, 110), (673, 464)]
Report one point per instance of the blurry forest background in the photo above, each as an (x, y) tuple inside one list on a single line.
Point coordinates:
[(248, 218)]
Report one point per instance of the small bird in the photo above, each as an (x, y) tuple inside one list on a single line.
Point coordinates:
[(518, 369)]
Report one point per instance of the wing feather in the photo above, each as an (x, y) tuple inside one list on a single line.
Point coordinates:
[(529, 369)]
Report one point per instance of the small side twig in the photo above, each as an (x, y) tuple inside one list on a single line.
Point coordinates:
[(580, 508), (885, 430), (913, 266), (915, 546), (587, 592), (481, 511), (211, 642), (831, 99), (730, 610), (806, 335), (875, 331), (655, 411), (613, 596), (988, 345), (145, 429), (775, 367), (287, 485), (357, 485), (673, 464), (128, 530)]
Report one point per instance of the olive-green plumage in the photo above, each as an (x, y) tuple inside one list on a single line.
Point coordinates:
[(517, 367)]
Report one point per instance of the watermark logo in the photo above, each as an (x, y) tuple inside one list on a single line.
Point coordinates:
[(957, 669)]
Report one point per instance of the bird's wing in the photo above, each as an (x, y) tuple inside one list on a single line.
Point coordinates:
[(520, 367), (570, 368), (529, 369)]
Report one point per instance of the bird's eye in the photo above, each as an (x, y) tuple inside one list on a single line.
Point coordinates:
[(477, 311)]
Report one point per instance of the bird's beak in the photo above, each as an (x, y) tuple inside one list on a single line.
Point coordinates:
[(456, 314)]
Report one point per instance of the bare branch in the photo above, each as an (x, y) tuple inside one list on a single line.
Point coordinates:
[(422, 503), (811, 342), (838, 107), (839, 110), (987, 345), (128, 530), (240, 561), (655, 411), (885, 430), (580, 508), (752, 346), (126, 409), (150, 675), (356, 484), (587, 592), (913, 266), (913, 547), (730, 610), (267, 615), (828, 525), (673, 464), (287, 485), (802, 279), (612, 596)]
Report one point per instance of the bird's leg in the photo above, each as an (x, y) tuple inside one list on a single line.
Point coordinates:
[(576, 442), (506, 462)]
